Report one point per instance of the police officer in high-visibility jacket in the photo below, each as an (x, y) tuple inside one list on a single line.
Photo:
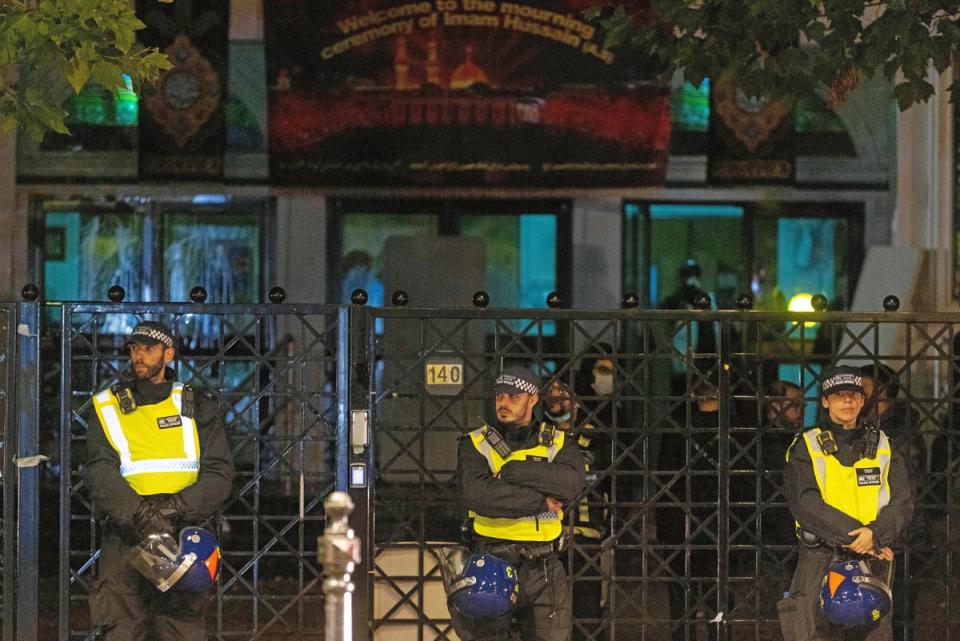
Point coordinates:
[(516, 476), (848, 490), (158, 460)]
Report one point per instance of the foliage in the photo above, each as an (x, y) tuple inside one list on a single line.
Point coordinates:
[(50, 48), (791, 48)]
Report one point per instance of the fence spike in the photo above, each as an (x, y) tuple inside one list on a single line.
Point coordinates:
[(359, 297), (277, 294), (30, 292)]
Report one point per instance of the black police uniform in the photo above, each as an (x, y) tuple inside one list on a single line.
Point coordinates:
[(800, 617), (589, 530), (122, 601), (544, 611)]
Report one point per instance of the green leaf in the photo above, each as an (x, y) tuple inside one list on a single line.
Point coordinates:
[(106, 74), (78, 75)]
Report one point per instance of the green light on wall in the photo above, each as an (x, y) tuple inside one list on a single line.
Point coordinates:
[(126, 104), (88, 106), (94, 105), (126, 107), (690, 107)]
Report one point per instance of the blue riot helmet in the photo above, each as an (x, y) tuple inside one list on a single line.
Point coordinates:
[(851, 597), (191, 564), (479, 585)]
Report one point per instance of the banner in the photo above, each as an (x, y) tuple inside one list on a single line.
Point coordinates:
[(751, 139), (456, 92), (182, 133)]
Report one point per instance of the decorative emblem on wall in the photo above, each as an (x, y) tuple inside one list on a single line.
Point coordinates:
[(187, 94), (751, 120)]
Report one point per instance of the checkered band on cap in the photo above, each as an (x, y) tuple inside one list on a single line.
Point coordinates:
[(842, 381), (152, 333), (516, 382)]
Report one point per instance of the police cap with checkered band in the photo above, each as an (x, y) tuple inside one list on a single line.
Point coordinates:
[(516, 379), (840, 379), (152, 333)]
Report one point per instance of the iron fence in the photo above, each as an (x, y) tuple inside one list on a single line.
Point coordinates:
[(694, 538), (274, 373), (8, 431)]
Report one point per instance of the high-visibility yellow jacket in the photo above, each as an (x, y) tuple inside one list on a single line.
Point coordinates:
[(159, 447), (589, 518), (860, 490), (545, 526)]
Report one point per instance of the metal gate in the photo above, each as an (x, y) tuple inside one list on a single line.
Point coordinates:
[(279, 377), (696, 538), (697, 541)]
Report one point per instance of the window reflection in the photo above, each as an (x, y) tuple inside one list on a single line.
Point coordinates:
[(87, 250)]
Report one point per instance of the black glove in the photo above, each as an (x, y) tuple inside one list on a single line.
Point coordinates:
[(171, 506), (148, 519)]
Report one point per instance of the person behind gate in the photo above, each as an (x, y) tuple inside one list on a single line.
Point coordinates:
[(158, 460), (850, 495), (515, 477), (560, 408)]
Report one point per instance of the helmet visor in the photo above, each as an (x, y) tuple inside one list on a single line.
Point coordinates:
[(157, 559)]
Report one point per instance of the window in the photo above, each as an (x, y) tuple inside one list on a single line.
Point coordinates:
[(775, 250), (156, 251), (520, 244)]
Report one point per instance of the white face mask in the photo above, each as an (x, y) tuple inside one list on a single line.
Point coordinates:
[(603, 384)]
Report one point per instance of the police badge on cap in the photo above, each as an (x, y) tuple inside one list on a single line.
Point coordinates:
[(840, 379)]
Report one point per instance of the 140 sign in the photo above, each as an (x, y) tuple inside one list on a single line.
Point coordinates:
[(443, 376)]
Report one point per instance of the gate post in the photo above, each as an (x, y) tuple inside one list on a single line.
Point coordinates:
[(9, 421), (353, 385), (340, 554), (27, 461)]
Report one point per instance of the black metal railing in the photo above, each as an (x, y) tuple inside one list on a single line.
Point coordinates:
[(694, 537)]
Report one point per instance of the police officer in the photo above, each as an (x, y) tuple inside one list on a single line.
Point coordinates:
[(158, 459), (560, 406), (516, 476), (847, 488)]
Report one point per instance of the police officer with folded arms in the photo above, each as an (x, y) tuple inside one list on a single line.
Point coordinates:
[(158, 460), (849, 492), (516, 476)]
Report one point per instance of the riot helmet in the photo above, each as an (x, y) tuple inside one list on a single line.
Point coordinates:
[(479, 585), (851, 597), (190, 565)]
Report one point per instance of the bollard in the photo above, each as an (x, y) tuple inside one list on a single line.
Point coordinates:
[(341, 551)]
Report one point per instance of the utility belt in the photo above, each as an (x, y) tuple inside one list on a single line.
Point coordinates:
[(515, 552)]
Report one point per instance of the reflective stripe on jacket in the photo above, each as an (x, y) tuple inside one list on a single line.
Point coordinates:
[(858, 491), (159, 448), (545, 526)]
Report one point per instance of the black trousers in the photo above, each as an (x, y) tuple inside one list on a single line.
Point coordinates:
[(800, 616), (544, 611), (133, 609)]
